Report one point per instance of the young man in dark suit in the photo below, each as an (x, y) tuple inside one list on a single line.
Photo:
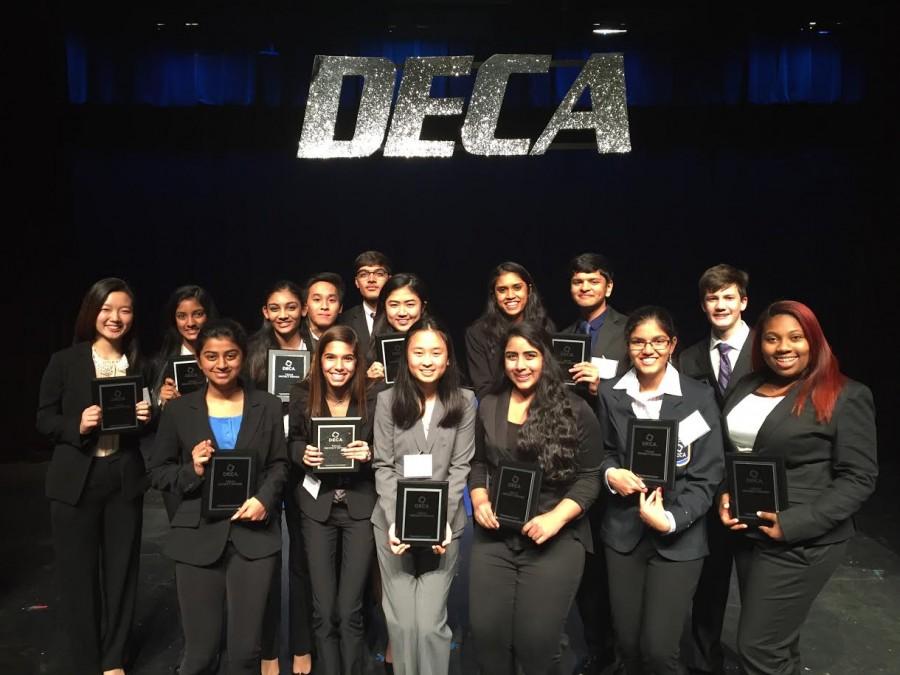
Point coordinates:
[(591, 285), (323, 298), (371, 270), (721, 360)]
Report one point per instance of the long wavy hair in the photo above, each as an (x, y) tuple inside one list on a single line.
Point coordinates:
[(171, 342), (409, 402), (550, 433), (86, 321), (822, 381), (315, 379), (495, 321), (264, 339)]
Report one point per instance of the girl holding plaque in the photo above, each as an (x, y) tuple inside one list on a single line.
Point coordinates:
[(334, 506), (655, 537), (424, 430), (225, 561), (524, 575), (401, 303), (281, 329), (95, 482), (187, 310), (512, 298), (796, 405)]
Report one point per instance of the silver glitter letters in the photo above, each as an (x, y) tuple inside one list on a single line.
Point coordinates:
[(414, 103), (604, 74), (487, 99), (317, 137)]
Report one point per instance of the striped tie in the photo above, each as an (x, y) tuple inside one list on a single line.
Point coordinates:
[(724, 365)]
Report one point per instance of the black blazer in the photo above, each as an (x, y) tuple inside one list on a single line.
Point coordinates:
[(482, 358), (491, 448), (65, 393), (355, 317), (695, 484), (184, 423), (831, 468), (359, 486), (610, 339), (695, 362)]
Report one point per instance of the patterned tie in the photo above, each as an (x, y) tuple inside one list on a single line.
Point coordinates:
[(724, 365)]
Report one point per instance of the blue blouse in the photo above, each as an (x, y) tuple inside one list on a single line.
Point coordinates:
[(226, 430)]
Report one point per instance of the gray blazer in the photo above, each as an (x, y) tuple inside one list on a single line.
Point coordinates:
[(451, 450)]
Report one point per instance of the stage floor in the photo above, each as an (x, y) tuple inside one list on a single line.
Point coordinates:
[(854, 626)]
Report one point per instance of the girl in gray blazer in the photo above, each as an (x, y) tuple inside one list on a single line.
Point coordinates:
[(426, 416)]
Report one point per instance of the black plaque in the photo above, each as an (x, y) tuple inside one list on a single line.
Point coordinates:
[(187, 374), (229, 481), (286, 368), (758, 483), (652, 446), (330, 434), (514, 493), (391, 351), (421, 512), (569, 349), (117, 397)]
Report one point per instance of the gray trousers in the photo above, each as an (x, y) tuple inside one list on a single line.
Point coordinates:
[(415, 605)]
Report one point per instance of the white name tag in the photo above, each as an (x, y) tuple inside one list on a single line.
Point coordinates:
[(417, 466), (145, 394), (312, 484), (691, 428), (606, 367)]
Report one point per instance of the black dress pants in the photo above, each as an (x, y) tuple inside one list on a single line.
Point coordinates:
[(299, 592), (593, 592), (338, 595), (519, 601), (272, 617), (97, 544), (233, 586), (778, 585), (650, 597)]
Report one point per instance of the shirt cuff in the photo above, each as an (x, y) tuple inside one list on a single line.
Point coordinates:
[(671, 520), (606, 481)]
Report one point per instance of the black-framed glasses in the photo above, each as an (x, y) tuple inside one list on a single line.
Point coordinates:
[(658, 343), (365, 274)]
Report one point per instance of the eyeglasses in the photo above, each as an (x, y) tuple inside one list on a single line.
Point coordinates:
[(365, 274), (658, 343)]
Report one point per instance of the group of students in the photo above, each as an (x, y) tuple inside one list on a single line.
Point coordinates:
[(641, 562)]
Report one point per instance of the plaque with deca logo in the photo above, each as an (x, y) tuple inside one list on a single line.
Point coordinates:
[(569, 349), (331, 435), (652, 447), (117, 397), (421, 512), (286, 368), (391, 351), (515, 488), (229, 481), (187, 374), (758, 483)]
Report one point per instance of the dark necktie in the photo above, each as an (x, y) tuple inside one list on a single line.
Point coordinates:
[(724, 365)]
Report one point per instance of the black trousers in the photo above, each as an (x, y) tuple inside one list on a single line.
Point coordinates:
[(337, 595), (272, 618), (650, 597), (97, 544), (299, 592), (778, 586), (233, 586), (519, 601), (704, 651), (593, 592)]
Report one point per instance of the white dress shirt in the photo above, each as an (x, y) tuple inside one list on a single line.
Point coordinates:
[(736, 342)]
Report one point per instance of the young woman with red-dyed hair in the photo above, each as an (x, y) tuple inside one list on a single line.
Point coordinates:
[(796, 404)]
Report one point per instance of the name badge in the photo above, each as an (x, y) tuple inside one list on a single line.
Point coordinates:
[(606, 367), (417, 466), (691, 428), (312, 484)]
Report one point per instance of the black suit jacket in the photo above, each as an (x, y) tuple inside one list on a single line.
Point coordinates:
[(491, 448), (695, 484), (831, 467), (359, 486), (65, 393), (695, 362), (355, 317), (610, 342), (184, 423)]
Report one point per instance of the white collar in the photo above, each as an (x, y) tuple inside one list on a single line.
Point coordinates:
[(671, 384), (368, 309), (736, 341)]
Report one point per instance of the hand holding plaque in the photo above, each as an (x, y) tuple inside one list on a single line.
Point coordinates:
[(186, 374), (331, 436), (758, 484), (391, 351), (569, 349), (421, 512), (514, 493), (286, 367), (229, 481), (652, 447), (118, 398)]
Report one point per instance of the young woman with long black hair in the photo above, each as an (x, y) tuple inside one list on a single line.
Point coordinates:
[(512, 297), (95, 482), (523, 581), (402, 302)]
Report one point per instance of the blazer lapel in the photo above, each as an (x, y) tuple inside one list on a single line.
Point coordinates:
[(419, 436), (742, 366), (252, 416), (607, 333), (671, 407), (779, 414), (434, 430)]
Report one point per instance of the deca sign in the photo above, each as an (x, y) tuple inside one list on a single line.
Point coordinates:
[(602, 75)]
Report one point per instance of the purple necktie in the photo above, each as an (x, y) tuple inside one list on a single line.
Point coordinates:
[(724, 365)]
